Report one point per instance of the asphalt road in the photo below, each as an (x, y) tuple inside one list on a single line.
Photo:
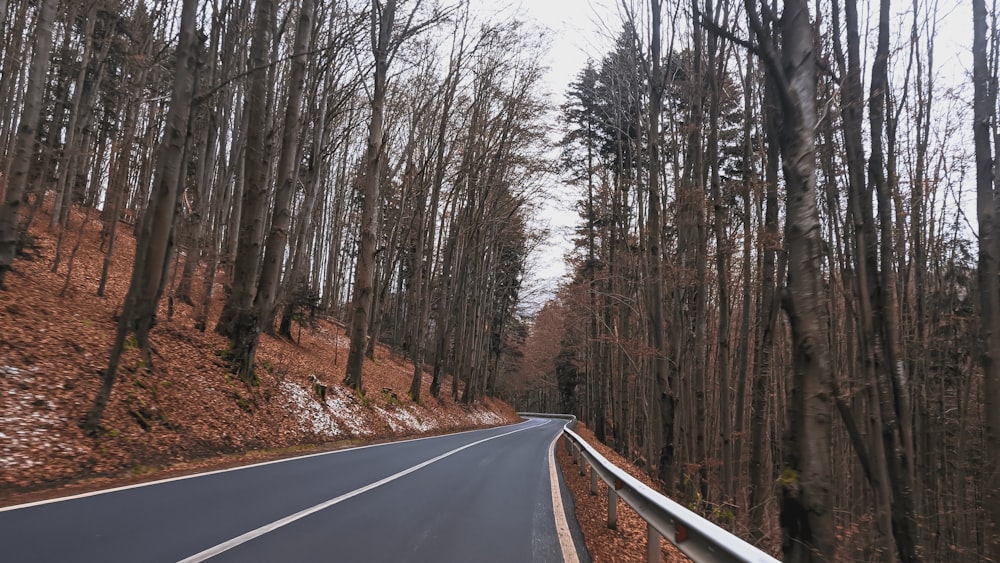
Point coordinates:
[(471, 497)]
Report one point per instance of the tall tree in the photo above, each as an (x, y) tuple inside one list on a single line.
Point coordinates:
[(806, 511), (892, 385), (428, 228), (277, 238), (155, 234), (383, 19), (239, 320), (988, 213), (665, 386), (24, 142)]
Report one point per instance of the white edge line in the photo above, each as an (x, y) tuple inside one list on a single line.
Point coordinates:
[(252, 534), (566, 543), (238, 468)]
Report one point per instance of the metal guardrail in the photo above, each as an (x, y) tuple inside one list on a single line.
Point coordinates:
[(696, 537), (568, 417)]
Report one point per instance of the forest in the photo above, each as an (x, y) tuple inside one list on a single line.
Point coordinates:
[(341, 157), (781, 301)]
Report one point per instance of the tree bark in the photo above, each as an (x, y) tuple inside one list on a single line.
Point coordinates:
[(25, 139), (153, 247), (277, 238), (383, 18), (665, 386), (984, 113), (805, 481), (894, 397), (239, 320)]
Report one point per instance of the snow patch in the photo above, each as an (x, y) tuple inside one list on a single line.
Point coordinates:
[(483, 416), (345, 416), (406, 419), (311, 415), (342, 402), (31, 424)]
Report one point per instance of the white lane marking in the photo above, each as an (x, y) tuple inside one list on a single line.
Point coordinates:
[(238, 468), (562, 525), (252, 534)]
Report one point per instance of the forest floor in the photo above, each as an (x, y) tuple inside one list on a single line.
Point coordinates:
[(188, 412)]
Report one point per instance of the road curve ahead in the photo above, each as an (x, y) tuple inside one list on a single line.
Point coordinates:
[(471, 497)]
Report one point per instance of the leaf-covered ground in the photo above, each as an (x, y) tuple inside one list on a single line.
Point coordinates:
[(187, 411)]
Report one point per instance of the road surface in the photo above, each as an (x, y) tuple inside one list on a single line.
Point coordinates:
[(471, 497)]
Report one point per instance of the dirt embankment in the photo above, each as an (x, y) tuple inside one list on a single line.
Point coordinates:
[(187, 410)]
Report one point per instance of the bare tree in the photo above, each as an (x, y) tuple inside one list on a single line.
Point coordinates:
[(277, 238), (239, 321), (155, 239), (24, 141), (806, 511), (988, 213), (383, 19)]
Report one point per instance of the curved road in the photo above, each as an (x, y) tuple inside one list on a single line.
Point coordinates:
[(474, 496)]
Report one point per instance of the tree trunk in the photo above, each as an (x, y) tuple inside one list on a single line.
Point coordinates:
[(243, 328), (428, 226), (805, 481), (364, 279), (893, 389), (984, 113), (716, 72), (862, 233), (277, 238), (664, 383), (154, 243), (25, 139)]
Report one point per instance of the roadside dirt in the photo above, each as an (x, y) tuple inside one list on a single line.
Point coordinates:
[(626, 543)]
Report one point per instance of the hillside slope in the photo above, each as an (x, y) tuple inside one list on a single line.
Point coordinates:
[(187, 407)]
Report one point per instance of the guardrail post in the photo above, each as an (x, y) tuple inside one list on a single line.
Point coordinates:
[(652, 544), (593, 482), (612, 508), (576, 454), (583, 465)]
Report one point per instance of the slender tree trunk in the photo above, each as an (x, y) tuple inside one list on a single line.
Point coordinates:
[(73, 149), (716, 72), (277, 238), (298, 280), (243, 328), (862, 233), (767, 310), (364, 280), (13, 73), (154, 243), (664, 383), (743, 361), (894, 397), (805, 481), (118, 188), (25, 138), (429, 224), (989, 272)]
